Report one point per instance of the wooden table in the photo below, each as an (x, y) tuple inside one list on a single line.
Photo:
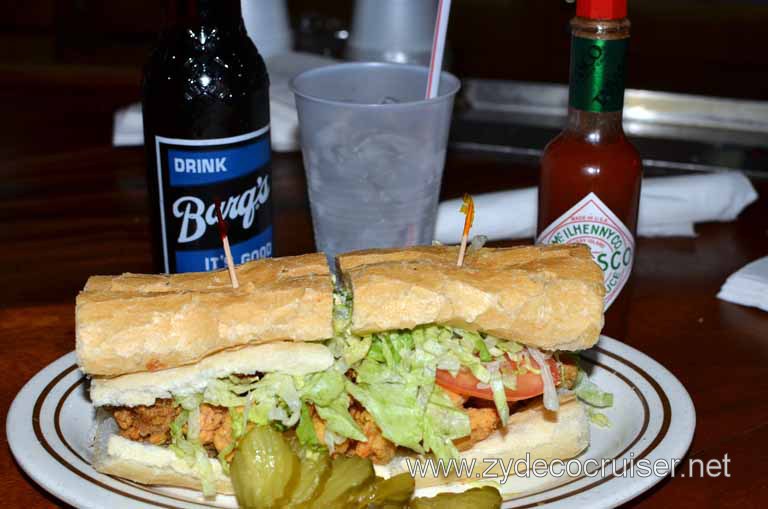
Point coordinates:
[(72, 206)]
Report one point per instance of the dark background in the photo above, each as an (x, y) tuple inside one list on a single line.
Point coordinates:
[(711, 47)]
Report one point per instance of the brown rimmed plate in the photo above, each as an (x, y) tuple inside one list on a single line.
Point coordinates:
[(51, 422)]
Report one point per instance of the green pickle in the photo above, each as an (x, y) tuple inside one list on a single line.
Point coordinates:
[(269, 471), (349, 476), (314, 469), (476, 498), (392, 493), (263, 468)]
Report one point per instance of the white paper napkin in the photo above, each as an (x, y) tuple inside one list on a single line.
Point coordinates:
[(669, 206), (748, 286), (127, 130), (128, 126)]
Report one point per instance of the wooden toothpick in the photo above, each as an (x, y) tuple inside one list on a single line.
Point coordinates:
[(227, 250), (468, 208)]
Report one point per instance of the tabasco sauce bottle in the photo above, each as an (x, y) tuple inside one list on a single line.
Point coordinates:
[(590, 173)]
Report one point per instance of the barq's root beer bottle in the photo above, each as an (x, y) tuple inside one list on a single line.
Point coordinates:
[(206, 132), (590, 173)]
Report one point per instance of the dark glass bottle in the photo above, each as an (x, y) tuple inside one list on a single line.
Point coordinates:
[(206, 132)]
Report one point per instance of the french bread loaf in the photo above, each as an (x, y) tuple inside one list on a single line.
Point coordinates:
[(134, 323), (549, 297)]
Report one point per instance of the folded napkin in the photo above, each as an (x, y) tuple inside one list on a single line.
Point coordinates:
[(128, 127), (748, 286), (127, 130), (669, 206)]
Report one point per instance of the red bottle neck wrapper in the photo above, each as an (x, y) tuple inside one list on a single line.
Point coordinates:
[(601, 9)]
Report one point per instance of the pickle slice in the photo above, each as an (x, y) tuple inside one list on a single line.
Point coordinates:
[(476, 498), (397, 489), (263, 467), (314, 469), (348, 473), (391, 493)]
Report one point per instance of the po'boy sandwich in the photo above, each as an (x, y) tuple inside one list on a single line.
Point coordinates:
[(411, 355)]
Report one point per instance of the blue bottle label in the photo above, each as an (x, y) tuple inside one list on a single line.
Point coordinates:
[(194, 174)]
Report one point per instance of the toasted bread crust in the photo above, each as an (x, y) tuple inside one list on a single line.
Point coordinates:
[(549, 297), (133, 322)]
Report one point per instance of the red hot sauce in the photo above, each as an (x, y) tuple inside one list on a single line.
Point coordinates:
[(590, 173)]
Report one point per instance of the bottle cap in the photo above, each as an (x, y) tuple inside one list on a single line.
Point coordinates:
[(601, 9)]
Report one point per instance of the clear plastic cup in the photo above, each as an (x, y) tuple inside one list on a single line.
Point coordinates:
[(374, 151)]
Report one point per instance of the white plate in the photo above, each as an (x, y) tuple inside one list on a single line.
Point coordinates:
[(50, 424)]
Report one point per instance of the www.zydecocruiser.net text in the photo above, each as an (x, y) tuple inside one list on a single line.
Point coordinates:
[(501, 469)]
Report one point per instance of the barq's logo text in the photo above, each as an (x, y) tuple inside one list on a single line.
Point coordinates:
[(196, 216)]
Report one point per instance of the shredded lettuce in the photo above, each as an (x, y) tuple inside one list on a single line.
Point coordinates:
[(204, 469), (222, 456), (276, 395), (396, 384), (327, 390), (598, 418), (512, 347), (490, 343), (305, 431), (323, 388), (395, 409), (189, 402), (193, 425), (371, 372), (178, 424), (276, 399), (590, 393), (239, 422), (499, 393), (229, 392), (184, 449), (480, 346), (191, 451), (443, 423), (551, 399), (508, 376), (463, 351), (354, 349), (331, 439), (273, 398), (338, 419)]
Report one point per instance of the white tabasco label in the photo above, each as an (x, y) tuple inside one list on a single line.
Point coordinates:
[(591, 222)]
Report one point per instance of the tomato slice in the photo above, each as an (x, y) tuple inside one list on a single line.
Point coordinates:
[(529, 384)]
